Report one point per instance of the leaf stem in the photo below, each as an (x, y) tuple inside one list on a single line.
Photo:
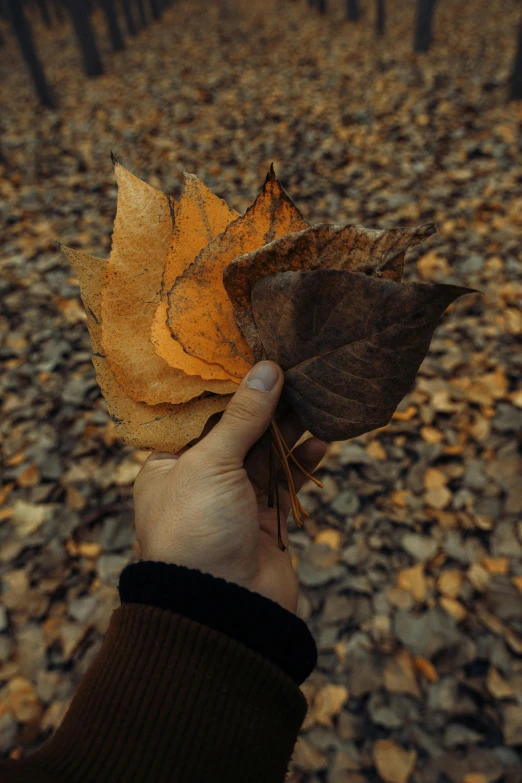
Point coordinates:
[(289, 453)]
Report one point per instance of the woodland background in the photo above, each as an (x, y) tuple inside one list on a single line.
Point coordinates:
[(411, 565)]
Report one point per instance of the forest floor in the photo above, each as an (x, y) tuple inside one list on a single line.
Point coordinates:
[(411, 564)]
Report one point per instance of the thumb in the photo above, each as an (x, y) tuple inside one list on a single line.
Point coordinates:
[(249, 412)]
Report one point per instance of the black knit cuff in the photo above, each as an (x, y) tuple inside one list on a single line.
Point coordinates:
[(258, 622)]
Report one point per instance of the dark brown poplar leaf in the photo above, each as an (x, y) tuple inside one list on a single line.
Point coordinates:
[(375, 252), (350, 344)]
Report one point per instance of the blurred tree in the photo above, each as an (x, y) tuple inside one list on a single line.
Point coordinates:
[(58, 11), (515, 90), (155, 8), (129, 18), (322, 6), (380, 20), (353, 11), (423, 23), (85, 34), (113, 25), (143, 15), (44, 13), (24, 36)]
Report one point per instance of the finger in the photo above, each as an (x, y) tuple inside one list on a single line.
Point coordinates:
[(211, 422), (248, 413), (257, 459)]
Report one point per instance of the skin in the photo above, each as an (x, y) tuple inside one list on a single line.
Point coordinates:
[(206, 507)]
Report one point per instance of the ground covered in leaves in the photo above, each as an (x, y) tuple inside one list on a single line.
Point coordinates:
[(411, 565)]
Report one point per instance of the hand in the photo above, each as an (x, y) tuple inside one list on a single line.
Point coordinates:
[(206, 507)]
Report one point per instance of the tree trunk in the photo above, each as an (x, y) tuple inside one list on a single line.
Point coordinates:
[(85, 34), (423, 23), (381, 17), (322, 6), (113, 25), (129, 19), (44, 13), (22, 31), (143, 15), (58, 11), (155, 8), (352, 10), (515, 90)]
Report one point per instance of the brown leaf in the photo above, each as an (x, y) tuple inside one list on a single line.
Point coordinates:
[(131, 294), (394, 764), (200, 218), (163, 427), (379, 253), (350, 345), (200, 314)]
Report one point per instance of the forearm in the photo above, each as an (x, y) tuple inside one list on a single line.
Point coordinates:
[(170, 698)]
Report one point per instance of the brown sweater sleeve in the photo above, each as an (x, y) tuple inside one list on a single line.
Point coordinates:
[(172, 698)]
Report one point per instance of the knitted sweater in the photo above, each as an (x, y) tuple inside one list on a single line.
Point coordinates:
[(197, 679)]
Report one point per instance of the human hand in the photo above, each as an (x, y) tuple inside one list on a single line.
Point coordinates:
[(206, 507)]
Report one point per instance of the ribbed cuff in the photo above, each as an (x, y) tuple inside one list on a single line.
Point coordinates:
[(258, 622), (168, 699)]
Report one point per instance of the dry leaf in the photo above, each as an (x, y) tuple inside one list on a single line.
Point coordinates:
[(394, 764), (379, 253), (496, 565), (425, 668), (143, 228), (350, 345), (478, 576), (497, 686), (454, 608), (161, 427), (29, 477), (200, 314), (399, 675), (329, 702), (200, 218), (434, 478), (449, 583), (438, 498), (330, 537), (413, 580)]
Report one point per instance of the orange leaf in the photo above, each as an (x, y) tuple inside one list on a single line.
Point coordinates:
[(200, 314), (162, 427), (131, 294), (200, 218), (394, 763)]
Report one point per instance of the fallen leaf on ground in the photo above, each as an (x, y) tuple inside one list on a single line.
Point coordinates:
[(329, 702), (394, 763)]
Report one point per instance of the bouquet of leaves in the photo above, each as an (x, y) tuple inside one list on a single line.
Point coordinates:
[(193, 294)]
